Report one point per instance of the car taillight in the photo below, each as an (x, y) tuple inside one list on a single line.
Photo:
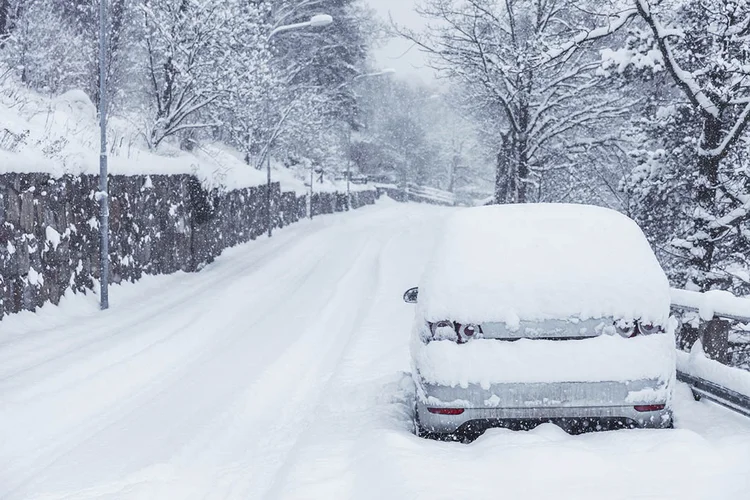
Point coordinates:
[(443, 330), (649, 407), (441, 324), (455, 332), (649, 329), (626, 329), (630, 329), (468, 332), (446, 411)]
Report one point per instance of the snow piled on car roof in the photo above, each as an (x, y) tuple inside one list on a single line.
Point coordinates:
[(511, 263)]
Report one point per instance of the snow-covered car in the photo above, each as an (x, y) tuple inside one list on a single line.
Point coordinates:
[(541, 313)]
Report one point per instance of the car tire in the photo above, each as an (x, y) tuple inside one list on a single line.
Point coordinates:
[(436, 436)]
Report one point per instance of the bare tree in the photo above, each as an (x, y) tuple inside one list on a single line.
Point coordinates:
[(5, 12), (187, 46), (525, 70)]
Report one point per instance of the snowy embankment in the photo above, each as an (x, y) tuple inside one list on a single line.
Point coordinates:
[(698, 365), (280, 372), (715, 303), (60, 135)]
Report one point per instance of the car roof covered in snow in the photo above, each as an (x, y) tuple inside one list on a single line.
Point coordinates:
[(511, 263)]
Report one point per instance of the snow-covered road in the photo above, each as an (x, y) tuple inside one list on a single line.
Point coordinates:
[(279, 372)]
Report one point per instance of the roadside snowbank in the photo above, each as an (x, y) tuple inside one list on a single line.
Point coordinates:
[(546, 463), (60, 135), (698, 365), (541, 261)]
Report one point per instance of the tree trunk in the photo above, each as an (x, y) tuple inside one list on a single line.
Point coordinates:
[(4, 21), (504, 170), (705, 195), (454, 170), (521, 145), (522, 172), (499, 179)]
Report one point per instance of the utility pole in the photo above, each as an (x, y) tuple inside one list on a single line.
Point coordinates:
[(348, 166), (312, 181), (317, 21), (270, 198), (103, 195)]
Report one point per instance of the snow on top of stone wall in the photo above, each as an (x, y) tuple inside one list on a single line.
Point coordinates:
[(60, 135)]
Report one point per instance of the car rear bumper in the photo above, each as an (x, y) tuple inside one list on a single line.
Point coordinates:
[(539, 402)]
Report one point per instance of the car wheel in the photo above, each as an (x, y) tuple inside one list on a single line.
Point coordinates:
[(437, 436)]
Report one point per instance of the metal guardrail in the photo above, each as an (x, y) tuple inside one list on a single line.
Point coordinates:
[(716, 303), (734, 317), (714, 333), (716, 309), (430, 194), (416, 193), (706, 389)]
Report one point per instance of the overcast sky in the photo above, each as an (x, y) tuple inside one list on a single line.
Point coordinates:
[(399, 54)]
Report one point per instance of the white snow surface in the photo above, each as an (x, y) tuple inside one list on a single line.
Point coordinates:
[(60, 135), (712, 302), (540, 261), (281, 372), (697, 364), (607, 358)]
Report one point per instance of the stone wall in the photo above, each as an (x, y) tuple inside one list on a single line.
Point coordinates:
[(49, 229)]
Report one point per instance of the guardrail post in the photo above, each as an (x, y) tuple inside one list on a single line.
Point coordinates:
[(687, 335), (715, 339)]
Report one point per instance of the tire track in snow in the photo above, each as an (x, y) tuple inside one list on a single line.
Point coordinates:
[(147, 389), (320, 465), (302, 408), (280, 298), (246, 392), (213, 273)]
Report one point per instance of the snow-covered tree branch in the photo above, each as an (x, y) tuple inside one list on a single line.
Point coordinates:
[(528, 61)]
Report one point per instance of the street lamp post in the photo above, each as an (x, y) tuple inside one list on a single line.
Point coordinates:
[(318, 21), (103, 195), (312, 181), (387, 71), (348, 167)]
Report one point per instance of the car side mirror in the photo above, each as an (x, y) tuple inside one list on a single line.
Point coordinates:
[(410, 296)]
